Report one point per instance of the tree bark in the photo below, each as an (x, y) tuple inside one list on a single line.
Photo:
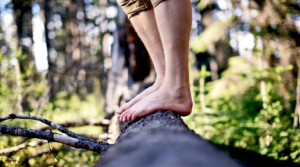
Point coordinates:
[(162, 139), (72, 139), (78, 142)]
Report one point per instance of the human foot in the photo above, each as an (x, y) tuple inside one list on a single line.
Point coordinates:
[(178, 100), (142, 95)]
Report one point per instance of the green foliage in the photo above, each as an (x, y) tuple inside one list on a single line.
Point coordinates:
[(203, 3), (206, 38), (27, 92), (245, 108)]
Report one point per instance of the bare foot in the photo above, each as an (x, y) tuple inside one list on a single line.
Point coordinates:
[(178, 100), (142, 95)]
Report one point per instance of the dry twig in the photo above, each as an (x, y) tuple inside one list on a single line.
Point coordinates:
[(21, 146), (45, 121), (82, 122), (72, 139)]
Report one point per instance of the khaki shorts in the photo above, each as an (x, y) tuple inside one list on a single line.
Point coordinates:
[(133, 7)]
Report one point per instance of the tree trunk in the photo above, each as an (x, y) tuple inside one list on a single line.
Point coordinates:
[(162, 139)]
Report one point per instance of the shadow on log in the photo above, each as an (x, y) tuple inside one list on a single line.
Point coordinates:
[(162, 139)]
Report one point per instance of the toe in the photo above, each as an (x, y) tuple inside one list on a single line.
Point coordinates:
[(120, 117), (120, 110), (129, 116), (124, 116), (134, 116), (124, 107)]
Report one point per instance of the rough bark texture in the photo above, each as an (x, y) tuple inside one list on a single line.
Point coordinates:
[(79, 142), (162, 139)]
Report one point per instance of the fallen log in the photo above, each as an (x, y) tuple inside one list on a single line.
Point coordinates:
[(162, 139)]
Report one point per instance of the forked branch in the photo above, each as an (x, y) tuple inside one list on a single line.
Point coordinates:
[(72, 139), (67, 140)]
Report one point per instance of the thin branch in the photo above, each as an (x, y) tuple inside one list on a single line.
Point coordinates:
[(45, 121), (82, 122), (21, 146), (41, 142), (71, 141)]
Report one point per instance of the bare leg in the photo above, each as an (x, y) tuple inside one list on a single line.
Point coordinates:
[(173, 18), (145, 25)]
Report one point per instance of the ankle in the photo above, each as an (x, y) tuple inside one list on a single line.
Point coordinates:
[(159, 79), (177, 91), (181, 95), (160, 75), (176, 84)]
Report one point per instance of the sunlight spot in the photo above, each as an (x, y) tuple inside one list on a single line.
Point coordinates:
[(245, 43), (35, 9), (52, 54), (222, 4), (99, 20), (254, 13), (194, 24), (88, 1), (88, 8), (58, 24), (111, 11), (111, 26), (51, 35), (238, 11), (56, 17), (8, 20), (26, 41), (40, 55), (3, 49), (297, 22), (234, 44), (81, 27), (245, 3), (39, 44), (80, 15), (13, 61), (96, 31), (50, 25)]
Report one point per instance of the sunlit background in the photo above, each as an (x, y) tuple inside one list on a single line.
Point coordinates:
[(73, 59)]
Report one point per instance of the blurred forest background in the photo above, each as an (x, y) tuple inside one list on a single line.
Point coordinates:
[(79, 60)]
